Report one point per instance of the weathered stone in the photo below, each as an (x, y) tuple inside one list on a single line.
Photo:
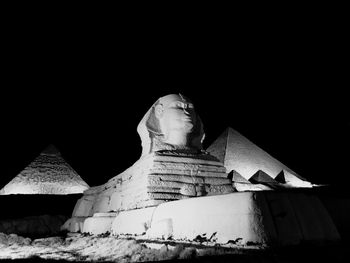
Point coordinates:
[(242, 187), (134, 222), (74, 224), (262, 218), (47, 174), (101, 204), (223, 217), (98, 225), (83, 207), (173, 165)]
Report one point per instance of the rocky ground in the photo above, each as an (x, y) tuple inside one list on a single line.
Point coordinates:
[(105, 248), (102, 248)]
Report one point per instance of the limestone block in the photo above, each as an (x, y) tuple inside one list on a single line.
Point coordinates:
[(74, 224), (159, 177), (164, 229), (188, 190), (241, 187), (115, 203), (188, 166), (218, 189), (110, 214), (166, 196), (101, 204), (98, 225), (224, 217), (134, 222), (206, 159), (83, 206)]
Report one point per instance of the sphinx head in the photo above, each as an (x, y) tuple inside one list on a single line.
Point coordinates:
[(170, 124)]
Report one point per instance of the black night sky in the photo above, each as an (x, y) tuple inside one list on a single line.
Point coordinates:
[(86, 92)]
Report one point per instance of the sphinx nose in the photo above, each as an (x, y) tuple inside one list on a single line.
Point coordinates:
[(185, 108)]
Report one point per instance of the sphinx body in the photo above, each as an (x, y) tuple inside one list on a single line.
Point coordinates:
[(173, 164)]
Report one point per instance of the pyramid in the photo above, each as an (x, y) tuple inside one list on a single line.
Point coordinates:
[(236, 177), (262, 177), (285, 177), (242, 185), (240, 154), (49, 173)]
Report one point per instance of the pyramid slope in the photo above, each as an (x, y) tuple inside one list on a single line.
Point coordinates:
[(285, 177), (262, 177), (49, 173), (236, 177), (240, 154), (241, 184), (218, 147)]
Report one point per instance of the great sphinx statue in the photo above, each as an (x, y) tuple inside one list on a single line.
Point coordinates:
[(172, 166), (147, 198)]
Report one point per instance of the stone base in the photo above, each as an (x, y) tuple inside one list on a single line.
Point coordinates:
[(133, 222), (243, 187), (262, 218), (220, 219), (74, 224), (98, 224)]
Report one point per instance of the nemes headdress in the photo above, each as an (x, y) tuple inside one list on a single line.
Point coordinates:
[(149, 128)]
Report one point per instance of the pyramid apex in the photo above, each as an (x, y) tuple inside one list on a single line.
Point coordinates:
[(228, 129), (51, 150), (237, 177), (262, 177)]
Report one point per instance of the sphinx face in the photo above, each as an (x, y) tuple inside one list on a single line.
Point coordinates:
[(177, 118)]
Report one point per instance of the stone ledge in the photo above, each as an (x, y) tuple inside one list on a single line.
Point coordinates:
[(261, 218)]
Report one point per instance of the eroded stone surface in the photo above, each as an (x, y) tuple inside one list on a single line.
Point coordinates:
[(49, 173), (98, 225), (173, 165), (262, 218), (253, 217), (177, 177), (171, 124)]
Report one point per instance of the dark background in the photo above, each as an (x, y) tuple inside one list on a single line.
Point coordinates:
[(85, 87)]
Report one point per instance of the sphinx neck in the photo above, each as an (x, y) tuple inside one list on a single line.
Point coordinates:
[(178, 139)]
